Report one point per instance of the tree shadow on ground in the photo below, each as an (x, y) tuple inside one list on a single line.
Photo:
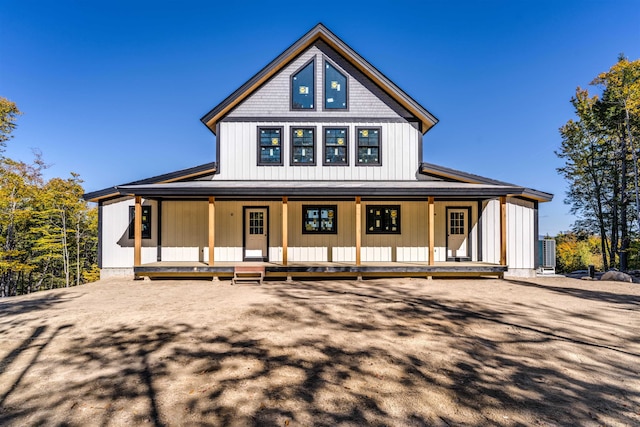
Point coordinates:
[(629, 300), (340, 353)]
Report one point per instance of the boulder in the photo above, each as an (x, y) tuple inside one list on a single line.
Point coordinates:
[(616, 276)]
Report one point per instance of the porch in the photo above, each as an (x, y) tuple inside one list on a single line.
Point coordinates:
[(279, 271)]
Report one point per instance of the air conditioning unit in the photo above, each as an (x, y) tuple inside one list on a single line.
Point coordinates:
[(547, 256)]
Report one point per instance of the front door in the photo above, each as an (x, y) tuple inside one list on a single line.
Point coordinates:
[(458, 233), (255, 233)]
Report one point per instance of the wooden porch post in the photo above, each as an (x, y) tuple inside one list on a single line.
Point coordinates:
[(503, 230), (212, 228), (137, 232), (432, 216), (285, 231), (358, 229)]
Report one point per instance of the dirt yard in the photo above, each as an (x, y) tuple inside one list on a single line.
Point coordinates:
[(396, 352)]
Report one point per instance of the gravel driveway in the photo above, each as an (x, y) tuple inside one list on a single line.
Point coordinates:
[(398, 352)]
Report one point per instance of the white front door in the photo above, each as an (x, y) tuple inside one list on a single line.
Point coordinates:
[(457, 233), (255, 233)]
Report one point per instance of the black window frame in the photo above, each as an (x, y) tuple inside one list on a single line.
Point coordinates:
[(259, 145), (319, 208), (325, 146), (358, 145), (385, 222), (312, 88), (292, 145), (326, 89), (146, 221)]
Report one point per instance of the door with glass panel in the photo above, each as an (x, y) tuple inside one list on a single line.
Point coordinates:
[(458, 234), (255, 234)]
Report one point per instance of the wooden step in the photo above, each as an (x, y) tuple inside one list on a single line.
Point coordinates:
[(248, 274)]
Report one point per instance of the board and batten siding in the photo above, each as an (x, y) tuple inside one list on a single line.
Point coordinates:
[(520, 235), (239, 153), (116, 246)]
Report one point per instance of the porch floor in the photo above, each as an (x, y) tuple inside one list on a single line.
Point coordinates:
[(275, 270)]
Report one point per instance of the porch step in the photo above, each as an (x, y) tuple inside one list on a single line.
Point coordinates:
[(248, 274)]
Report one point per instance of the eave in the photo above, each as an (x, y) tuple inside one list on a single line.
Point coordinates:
[(320, 189), (460, 176), (181, 175), (319, 32)]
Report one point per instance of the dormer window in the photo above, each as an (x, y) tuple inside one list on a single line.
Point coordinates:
[(303, 88), (335, 88)]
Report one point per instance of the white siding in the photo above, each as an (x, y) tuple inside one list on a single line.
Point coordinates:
[(520, 234), (239, 153), (117, 248), (521, 238), (491, 231)]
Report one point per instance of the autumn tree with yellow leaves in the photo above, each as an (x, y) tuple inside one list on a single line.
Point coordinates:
[(48, 233), (600, 151)]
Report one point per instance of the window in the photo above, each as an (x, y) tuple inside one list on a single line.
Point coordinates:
[(302, 88), (146, 222), (456, 223), (335, 88), (303, 146), (368, 146), (383, 219), (269, 146), (336, 152), (319, 219)]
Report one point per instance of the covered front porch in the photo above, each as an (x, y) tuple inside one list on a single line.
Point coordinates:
[(301, 270)]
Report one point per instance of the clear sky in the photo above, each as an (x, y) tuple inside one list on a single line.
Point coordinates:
[(114, 90)]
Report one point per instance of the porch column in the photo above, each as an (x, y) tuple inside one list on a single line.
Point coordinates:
[(212, 228), (431, 215), (503, 230), (285, 231), (137, 232), (358, 229)]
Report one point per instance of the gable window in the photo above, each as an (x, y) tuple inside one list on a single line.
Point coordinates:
[(146, 222), (303, 88), (335, 88), (368, 146), (269, 146), (303, 146), (320, 219), (383, 219), (336, 152)]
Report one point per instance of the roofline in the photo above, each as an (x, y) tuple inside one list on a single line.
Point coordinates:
[(319, 32), (444, 172), (253, 190), (193, 172)]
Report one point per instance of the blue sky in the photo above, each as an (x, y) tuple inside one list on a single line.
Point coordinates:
[(114, 90)]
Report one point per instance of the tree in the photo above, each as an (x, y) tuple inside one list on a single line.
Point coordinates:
[(601, 161), (8, 114), (48, 233)]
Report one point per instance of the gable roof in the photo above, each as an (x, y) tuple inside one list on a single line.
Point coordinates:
[(319, 32), (449, 174), (177, 176)]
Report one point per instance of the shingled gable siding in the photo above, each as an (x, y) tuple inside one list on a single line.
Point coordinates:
[(272, 99)]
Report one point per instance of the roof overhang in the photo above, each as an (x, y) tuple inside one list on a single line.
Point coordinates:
[(181, 175), (319, 32), (320, 189), (465, 177)]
